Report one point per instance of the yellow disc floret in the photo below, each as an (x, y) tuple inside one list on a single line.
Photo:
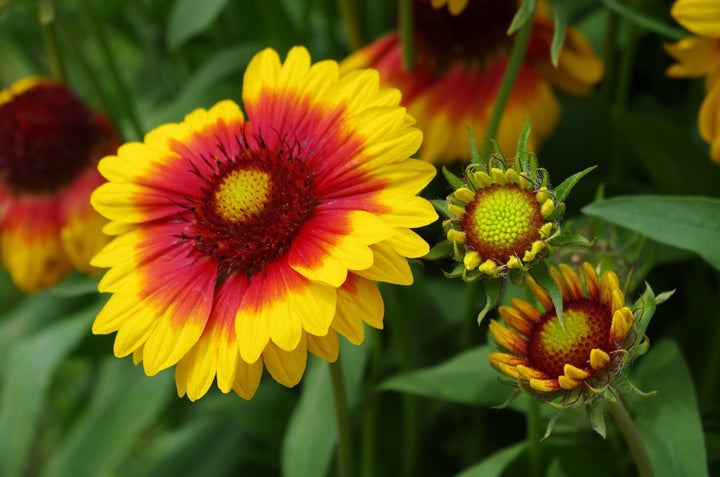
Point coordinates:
[(242, 194)]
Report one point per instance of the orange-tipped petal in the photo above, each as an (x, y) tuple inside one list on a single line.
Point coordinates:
[(567, 383), (575, 373), (572, 281), (516, 319), (528, 310), (540, 293), (591, 281), (599, 359), (544, 385), (621, 322), (528, 373), (508, 339)]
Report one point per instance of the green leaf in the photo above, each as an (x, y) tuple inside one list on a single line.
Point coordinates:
[(645, 305), (648, 23), (562, 191), (190, 17), (475, 157), (440, 250), (596, 412), (541, 274), (452, 179), (76, 284), (442, 207), (311, 434), (466, 378), (524, 14), (495, 464), (559, 9), (689, 223), (522, 152), (670, 423), (571, 239), (493, 287), (124, 404), (30, 366)]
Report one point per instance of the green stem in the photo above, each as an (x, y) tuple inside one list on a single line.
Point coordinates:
[(627, 62), (125, 96), (349, 16), (534, 435), (407, 35), (648, 23), (85, 66), (407, 363), (342, 418), (517, 55), (370, 416), (712, 368), (47, 20), (632, 437)]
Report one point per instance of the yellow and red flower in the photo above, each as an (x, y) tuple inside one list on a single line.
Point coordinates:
[(244, 244), (699, 56), (579, 355), (460, 62), (50, 143)]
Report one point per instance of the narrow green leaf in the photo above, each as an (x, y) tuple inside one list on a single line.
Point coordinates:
[(495, 464), (190, 17), (562, 191), (689, 223), (670, 423), (452, 179), (475, 157), (645, 307), (541, 274), (124, 404), (466, 378), (648, 23), (311, 434), (75, 285), (571, 239), (30, 366), (559, 9), (522, 153), (596, 412), (440, 250), (493, 287), (442, 207), (524, 14)]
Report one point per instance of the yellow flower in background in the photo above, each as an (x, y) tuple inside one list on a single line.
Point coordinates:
[(242, 244), (460, 62), (580, 354), (699, 56), (50, 143)]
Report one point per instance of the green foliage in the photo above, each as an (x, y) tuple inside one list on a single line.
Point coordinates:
[(689, 223)]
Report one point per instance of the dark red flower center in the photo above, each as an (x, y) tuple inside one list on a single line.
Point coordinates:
[(46, 138), (477, 35), (249, 212), (586, 326)]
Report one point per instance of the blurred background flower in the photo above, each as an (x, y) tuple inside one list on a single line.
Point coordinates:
[(459, 63), (50, 143)]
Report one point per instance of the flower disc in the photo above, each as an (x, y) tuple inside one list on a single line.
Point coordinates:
[(502, 221)]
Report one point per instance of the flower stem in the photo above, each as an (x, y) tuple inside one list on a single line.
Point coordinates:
[(47, 20), (407, 38), (342, 418), (122, 89), (632, 437), (533, 437), (517, 55), (85, 67), (349, 16)]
